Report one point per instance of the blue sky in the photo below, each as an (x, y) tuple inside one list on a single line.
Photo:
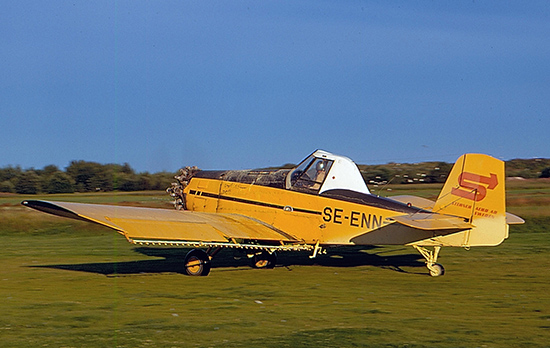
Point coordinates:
[(243, 84)]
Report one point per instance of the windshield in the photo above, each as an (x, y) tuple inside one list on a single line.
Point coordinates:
[(310, 174)]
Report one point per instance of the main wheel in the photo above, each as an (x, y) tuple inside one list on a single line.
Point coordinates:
[(264, 260), (437, 270), (197, 263)]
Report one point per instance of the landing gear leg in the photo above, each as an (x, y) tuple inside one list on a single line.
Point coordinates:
[(435, 269)]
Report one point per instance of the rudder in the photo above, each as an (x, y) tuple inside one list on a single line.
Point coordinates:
[(475, 191)]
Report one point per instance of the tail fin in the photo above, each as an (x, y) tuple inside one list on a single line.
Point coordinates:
[(475, 191)]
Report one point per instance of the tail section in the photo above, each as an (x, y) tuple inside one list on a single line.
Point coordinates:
[(475, 192)]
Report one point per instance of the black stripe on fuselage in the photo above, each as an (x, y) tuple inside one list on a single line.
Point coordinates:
[(248, 201), (373, 201)]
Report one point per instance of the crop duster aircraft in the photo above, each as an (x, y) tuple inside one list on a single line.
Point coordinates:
[(322, 202)]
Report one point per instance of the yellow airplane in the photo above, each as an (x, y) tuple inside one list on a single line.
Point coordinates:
[(320, 203)]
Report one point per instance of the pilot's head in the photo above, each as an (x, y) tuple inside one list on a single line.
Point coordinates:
[(321, 166)]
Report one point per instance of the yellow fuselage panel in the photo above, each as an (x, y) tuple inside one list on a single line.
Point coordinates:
[(307, 217)]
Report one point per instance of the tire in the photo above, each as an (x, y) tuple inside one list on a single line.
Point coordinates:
[(264, 260), (197, 263), (437, 270)]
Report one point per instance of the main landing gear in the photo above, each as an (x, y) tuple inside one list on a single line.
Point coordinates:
[(435, 269), (197, 261), (264, 259)]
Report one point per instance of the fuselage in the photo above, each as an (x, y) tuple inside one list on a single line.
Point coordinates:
[(333, 217)]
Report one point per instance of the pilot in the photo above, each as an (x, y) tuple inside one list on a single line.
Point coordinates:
[(321, 173), (314, 176)]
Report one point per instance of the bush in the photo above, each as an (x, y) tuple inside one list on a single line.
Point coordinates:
[(9, 173), (7, 186), (60, 182), (27, 183)]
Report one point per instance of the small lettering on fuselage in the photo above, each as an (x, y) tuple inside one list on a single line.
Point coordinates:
[(354, 218)]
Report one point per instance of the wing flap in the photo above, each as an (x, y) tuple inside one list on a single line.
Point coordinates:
[(164, 224), (432, 221), (168, 230)]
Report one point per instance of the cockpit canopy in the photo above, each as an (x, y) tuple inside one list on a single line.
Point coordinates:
[(323, 171)]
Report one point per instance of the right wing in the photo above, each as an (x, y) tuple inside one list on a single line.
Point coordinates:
[(163, 225)]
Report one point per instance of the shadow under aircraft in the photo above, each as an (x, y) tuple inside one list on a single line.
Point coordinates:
[(170, 261)]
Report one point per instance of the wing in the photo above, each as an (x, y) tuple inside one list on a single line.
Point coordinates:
[(148, 225)]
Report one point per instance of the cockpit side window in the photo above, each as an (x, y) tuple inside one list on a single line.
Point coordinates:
[(310, 174)]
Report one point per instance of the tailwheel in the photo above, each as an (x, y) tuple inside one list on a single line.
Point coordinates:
[(264, 259), (435, 269), (197, 263)]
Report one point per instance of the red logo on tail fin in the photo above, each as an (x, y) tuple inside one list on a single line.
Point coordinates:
[(476, 186)]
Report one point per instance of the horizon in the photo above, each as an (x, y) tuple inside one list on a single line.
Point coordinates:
[(64, 168)]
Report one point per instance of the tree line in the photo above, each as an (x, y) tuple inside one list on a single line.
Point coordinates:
[(83, 176), (437, 172)]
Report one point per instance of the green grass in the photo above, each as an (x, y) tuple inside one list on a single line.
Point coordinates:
[(145, 198), (66, 283)]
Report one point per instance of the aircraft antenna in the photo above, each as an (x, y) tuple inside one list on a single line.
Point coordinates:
[(386, 184)]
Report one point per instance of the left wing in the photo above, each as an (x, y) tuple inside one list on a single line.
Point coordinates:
[(148, 225)]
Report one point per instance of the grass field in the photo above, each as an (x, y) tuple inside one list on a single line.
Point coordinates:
[(66, 283)]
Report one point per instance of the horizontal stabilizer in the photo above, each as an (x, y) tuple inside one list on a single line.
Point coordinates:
[(415, 201), (431, 222), (512, 219)]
